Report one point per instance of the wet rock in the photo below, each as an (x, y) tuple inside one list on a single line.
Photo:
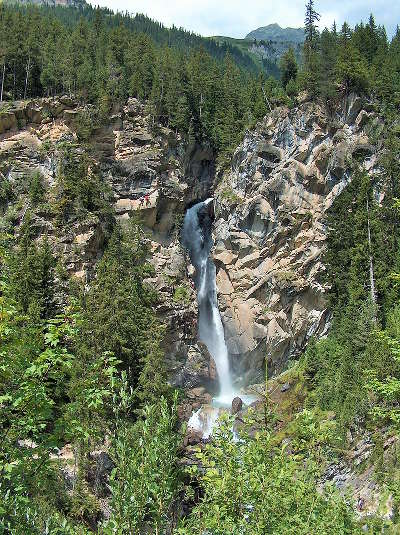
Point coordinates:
[(237, 405), (198, 396), (192, 438)]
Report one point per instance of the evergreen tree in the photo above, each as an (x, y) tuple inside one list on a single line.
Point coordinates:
[(311, 30), (32, 277), (288, 67), (117, 312), (312, 63), (351, 69), (329, 51)]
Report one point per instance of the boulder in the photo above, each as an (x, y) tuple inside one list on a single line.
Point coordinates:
[(8, 121), (237, 405)]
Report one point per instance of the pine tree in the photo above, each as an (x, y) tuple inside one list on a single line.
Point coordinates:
[(329, 51), (118, 314), (312, 62), (311, 30), (351, 69), (32, 277), (288, 67)]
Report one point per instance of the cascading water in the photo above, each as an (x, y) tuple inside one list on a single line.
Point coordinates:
[(197, 239)]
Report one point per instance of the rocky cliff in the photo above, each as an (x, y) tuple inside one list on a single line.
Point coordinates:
[(269, 229)]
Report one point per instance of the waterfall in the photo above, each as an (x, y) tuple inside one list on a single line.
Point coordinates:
[(197, 239)]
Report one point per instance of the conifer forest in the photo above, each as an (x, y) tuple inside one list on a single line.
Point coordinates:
[(199, 275)]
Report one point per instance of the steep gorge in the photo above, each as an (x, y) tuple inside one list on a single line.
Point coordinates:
[(268, 221), (269, 228)]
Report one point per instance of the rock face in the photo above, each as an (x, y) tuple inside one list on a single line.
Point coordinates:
[(356, 474), (270, 230)]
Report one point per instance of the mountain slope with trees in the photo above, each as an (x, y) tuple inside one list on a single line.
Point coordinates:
[(142, 119)]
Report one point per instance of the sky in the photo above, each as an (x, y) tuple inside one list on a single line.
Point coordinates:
[(236, 18)]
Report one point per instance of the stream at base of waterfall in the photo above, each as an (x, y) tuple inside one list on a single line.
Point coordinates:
[(197, 240)]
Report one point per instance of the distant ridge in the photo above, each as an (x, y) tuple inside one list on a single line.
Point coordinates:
[(267, 44), (274, 32), (65, 3)]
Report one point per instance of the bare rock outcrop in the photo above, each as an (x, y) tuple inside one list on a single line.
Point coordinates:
[(270, 229)]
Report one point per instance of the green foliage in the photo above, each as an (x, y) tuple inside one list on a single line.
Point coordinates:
[(80, 191), (31, 274), (355, 352), (349, 251), (230, 197), (37, 190), (383, 385), (6, 191), (60, 377), (181, 295), (146, 482), (288, 67), (358, 59), (251, 486), (118, 317), (35, 364), (352, 70)]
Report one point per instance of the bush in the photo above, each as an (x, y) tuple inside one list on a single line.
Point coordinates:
[(251, 487), (146, 481), (181, 295)]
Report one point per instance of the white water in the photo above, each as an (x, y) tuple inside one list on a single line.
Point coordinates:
[(204, 420), (197, 239)]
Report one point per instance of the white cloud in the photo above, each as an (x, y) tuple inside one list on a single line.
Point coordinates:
[(236, 18)]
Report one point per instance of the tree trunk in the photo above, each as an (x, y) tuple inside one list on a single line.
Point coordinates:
[(15, 82), (371, 262), (266, 98), (28, 67), (266, 400), (2, 81)]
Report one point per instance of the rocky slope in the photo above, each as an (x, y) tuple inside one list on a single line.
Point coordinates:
[(273, 32), (270, 229)]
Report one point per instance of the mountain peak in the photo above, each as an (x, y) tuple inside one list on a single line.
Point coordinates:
[(274, 32)]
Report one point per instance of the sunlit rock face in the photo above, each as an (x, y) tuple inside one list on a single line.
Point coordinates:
[(270, 229)]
